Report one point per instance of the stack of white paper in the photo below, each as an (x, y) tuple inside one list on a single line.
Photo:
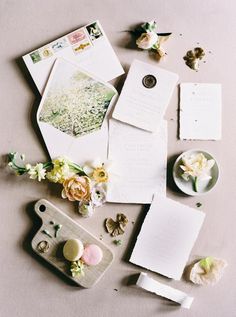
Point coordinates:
[(167, 236), (139, 168), (140, 156)]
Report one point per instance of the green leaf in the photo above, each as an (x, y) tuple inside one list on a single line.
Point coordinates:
[(77, 168), (47, 165), (11, 156), (155, 46), (117, 242), (206, 263), (195, 184)]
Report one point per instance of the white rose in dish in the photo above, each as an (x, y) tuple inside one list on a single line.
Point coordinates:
[(195, 172)]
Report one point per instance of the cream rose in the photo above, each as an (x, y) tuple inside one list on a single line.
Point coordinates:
[(147, 40), (76, 188), (207, 271)]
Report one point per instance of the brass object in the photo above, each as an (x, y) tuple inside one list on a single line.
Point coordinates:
[(193, 57), (149, 81), (43, 246), (117, 227)]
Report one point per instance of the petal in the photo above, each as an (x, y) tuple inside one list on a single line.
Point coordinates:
[(185, 176), (96, 163), (63, 194), (88, 169), (108, 164), (210, 164), (204, 177)]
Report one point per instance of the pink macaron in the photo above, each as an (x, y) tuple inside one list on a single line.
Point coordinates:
[(92, 254)]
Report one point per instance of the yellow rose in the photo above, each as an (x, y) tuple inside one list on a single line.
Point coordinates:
[(76, 188)]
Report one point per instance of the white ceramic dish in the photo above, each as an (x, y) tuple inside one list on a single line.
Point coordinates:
[(187, 186)]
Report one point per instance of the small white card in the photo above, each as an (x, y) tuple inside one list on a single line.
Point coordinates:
[(72, 114), (151, 285), (145, 96), (167, 236), (200, 111), (140, 159), (87, 46)]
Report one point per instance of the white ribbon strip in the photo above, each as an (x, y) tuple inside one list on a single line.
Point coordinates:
[(149, 284)]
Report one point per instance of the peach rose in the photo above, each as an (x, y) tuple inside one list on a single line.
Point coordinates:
[(76, 188)]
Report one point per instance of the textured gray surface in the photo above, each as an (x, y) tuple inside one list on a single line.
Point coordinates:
[(29, 287)]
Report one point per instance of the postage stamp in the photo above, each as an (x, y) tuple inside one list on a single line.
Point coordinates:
[(46, 52), (35, 56), (76, 36), (94, 31), (82, 46), (59, 44)]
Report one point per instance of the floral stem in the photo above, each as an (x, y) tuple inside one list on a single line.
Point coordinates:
[(47, 165), (195, 184), (19, 169), (77, 168)]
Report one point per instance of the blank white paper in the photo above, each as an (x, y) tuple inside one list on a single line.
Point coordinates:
[(145, 107), (167, 236), (95, 55), (200, 111), (139, 163)]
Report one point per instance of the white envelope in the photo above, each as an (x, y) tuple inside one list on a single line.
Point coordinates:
[(167, 236), (145, 96), (87, 46), (139, 163), (200, 111), (72, 114)]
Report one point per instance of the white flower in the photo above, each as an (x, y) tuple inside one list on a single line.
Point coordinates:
[(98, 195), (37, 171), (61, 170), (86, 209), (28, 166), (196, 166), (98, 170), (208, 271), (147, 40)]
